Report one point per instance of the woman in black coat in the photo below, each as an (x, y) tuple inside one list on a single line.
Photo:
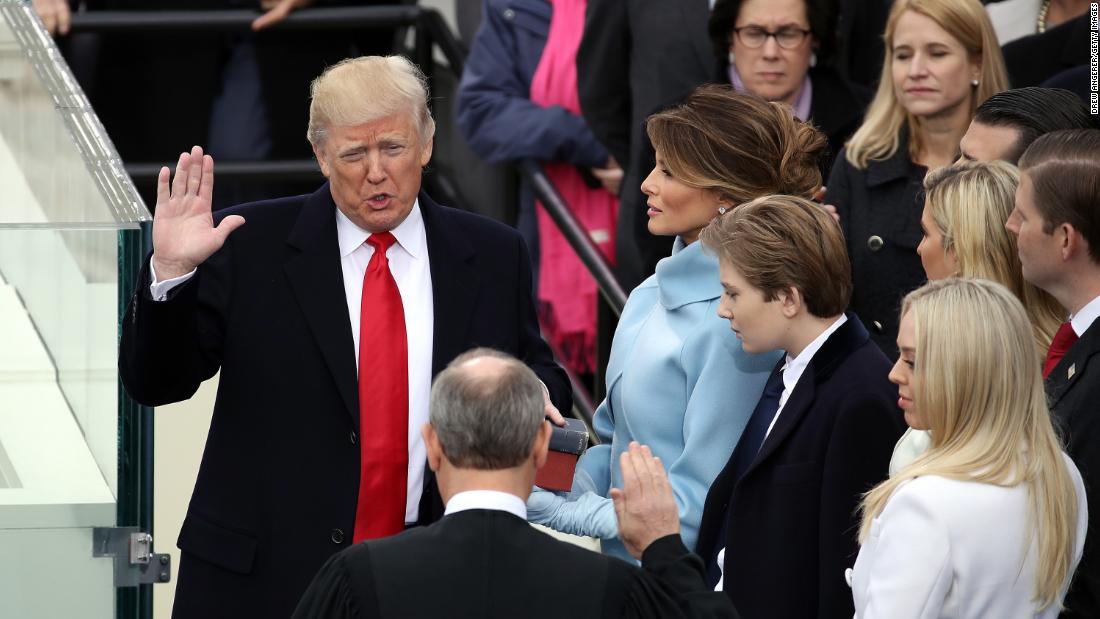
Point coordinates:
[(942, 61), (790, 65)]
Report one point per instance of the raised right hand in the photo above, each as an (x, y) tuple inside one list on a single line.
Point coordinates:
[(183, 227), (645, 506)]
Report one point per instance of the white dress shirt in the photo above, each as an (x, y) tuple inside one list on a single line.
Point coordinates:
[(793, 368), (487, 499), (792, 372), (1083, 319), (408, 259)]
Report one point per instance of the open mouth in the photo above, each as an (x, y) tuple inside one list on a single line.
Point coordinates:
[(379, 200)]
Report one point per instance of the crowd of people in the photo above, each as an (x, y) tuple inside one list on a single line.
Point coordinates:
[(860, 384)]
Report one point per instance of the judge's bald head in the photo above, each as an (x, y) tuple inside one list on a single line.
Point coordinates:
[(486, 408)]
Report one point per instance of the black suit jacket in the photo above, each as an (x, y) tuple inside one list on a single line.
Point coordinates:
[(791, 523), (492, 565), (1073, 389), (276, 491), (636, 58)]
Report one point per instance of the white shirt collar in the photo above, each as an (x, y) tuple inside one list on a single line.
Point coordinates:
[(409, 233), (1083, 319), (793, 368), (487, 499)]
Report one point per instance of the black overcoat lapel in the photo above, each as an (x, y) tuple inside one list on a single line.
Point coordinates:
[(317, 279), (455, 282), (834, 351), (1072, 366)]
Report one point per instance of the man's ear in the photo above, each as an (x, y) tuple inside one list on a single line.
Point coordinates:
[(1073, 243), (435, 450), (790, 301), (426, 152), (541, 445), (319, 153)]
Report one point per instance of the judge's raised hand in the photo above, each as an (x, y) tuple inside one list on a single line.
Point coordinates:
[(644, 506), (183, 227)]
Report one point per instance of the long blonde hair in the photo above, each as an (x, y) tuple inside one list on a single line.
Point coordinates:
[(980, 392), (880, 134), (969, 203)]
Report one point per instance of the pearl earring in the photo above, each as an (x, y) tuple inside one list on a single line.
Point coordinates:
[(813, 59), (974, 83), (731, 57), (722, 210)]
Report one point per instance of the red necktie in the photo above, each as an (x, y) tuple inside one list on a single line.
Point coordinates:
[(1063, 339), (383, 400)]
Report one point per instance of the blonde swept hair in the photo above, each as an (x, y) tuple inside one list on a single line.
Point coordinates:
[(780, 242), (979, 389), (738, 145), (969, 203), (360, 90), (880, 134)]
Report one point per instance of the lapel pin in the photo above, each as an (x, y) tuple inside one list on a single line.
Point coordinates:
[(1071, 371)]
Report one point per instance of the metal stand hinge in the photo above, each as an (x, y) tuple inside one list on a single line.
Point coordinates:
[(132, 549)]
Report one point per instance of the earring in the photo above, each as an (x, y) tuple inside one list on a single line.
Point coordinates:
[(813, 59), (722, 210), (974, 83), (731, 57)]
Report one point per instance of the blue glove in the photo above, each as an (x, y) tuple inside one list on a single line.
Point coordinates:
[(590, 514)]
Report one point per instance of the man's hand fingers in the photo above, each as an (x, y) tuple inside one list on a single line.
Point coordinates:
[(630, 477), (819, 195), (162, 186), (179, 182), (553, 415), (227, 226), (194, 174), (206, 187), (619, 501), (653, 467)]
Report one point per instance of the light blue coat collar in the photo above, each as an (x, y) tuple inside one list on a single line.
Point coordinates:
[(689, 275)]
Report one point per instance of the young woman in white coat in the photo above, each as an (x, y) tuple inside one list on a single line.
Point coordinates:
[(990, 521)]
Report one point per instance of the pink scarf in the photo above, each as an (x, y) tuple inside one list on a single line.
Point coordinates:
[(566, 291)]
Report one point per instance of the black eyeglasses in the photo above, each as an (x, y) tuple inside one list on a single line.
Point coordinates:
[(755, 36)]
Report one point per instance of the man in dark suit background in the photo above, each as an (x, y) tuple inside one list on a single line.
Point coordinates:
[(780, 520), (299, 433), (486, 440), (636, 58), (1057, 225)]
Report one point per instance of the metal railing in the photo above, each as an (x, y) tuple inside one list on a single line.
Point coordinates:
[(431, 34)]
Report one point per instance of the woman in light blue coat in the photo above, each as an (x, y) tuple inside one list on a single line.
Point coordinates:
[(677, 379)]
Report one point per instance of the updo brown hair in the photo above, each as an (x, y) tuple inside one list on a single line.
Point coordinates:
[(738, 145)]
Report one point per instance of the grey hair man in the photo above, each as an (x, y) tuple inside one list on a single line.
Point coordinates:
[(486, 439)]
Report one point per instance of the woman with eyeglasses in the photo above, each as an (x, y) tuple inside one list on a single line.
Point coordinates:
[(779, 50)]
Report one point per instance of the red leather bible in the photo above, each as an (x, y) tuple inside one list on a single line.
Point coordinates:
[(566, 446)]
